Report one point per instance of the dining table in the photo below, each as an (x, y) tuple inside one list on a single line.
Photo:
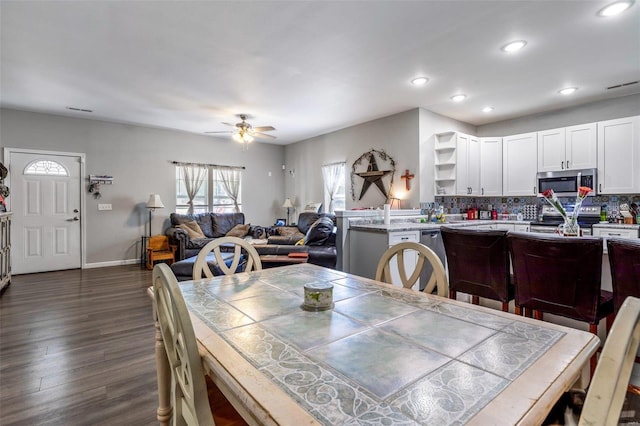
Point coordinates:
[(381, 355)]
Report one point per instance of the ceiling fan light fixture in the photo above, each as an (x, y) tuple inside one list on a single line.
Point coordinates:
[(487, 109), (615, 8)]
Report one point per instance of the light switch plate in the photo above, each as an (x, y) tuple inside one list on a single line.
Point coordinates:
[(104, 207)]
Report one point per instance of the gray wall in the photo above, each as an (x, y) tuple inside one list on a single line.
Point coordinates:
[(139, 160), (407, 137), (626, 106)]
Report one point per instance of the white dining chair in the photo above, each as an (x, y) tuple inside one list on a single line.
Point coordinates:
[(189, 390), (252, 261), (438, 280), (606, 393)]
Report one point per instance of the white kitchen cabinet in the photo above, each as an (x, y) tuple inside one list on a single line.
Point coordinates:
[(519, 164), (567, 148), (525, 227), (619, 156), (491, 166), (606, 232), (457, 164)]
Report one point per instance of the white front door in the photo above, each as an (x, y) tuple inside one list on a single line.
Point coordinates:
[(45, 201)]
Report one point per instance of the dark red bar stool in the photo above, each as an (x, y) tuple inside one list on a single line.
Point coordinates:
[(624, 259), (478, 262), (561, 276)]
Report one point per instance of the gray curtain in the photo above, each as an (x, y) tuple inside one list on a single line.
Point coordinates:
[(230, 178), (193, 175)]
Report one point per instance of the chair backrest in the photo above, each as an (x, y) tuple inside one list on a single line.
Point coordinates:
[(608, 388), (558, 275), (438, 279), (624, 260), (478, 262), (158, 242), (189, 391), (251, 261)]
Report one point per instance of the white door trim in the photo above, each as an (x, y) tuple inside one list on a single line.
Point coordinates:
[(83, 222)]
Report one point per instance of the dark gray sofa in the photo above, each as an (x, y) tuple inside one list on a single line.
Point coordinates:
[(213, 225)]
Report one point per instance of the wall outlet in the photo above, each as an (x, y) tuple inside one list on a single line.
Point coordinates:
[(104, 207)]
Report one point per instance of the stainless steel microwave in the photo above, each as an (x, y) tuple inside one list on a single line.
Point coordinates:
[(565, 183)]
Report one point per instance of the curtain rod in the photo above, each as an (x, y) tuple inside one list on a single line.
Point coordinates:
[(181, 163), (333, 164)]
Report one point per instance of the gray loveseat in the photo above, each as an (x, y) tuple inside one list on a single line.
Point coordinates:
[(213, 225)]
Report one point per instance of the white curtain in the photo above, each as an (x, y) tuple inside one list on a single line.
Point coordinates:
[(333, 175), (230, 179), (193, 176)]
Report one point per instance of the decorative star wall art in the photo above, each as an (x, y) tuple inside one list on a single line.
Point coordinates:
[(373, 173)]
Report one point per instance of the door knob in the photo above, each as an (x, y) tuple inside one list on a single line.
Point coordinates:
[(75, 219), (75, 210)]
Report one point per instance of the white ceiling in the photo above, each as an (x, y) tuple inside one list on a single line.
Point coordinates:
[(309, 67)]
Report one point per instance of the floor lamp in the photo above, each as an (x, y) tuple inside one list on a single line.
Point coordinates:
[(287, 205), (154, 203)]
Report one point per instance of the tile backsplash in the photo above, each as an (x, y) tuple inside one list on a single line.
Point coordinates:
[(454, 205)]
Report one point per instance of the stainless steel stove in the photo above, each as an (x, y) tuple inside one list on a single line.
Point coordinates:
[(551, 219)]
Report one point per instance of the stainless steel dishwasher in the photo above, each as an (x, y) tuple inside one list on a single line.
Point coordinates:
[(432, 239)]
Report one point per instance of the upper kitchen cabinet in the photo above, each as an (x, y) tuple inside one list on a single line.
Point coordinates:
[(519, 165), (457, 164), (619, 156), (567, 148), (491, 166)]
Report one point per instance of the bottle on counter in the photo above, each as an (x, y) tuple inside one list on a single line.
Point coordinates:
[(494, 214), (603, 213)]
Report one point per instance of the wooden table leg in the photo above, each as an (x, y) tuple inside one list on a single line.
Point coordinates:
[(164, 376)]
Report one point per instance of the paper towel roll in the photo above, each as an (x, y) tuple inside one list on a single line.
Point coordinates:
[(387, 214)]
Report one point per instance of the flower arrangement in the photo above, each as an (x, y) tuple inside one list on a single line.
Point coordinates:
[(570, 226)]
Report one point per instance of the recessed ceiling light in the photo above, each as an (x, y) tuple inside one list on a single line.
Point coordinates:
[(458, 98), (513, 46), (567, 90), (487, 109), (615, 8), (419, 81)]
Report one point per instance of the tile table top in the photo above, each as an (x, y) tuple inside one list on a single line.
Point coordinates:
[(382, 355)]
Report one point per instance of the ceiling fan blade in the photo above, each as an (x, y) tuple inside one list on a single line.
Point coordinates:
[(228, 124), (264, 128), (263, 135), (223, 131)]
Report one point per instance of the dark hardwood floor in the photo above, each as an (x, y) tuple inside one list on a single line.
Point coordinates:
[(77, 348)]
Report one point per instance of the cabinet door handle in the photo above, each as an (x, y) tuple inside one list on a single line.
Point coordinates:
[(534, 190), (567, 164), (404, 238), (611, 234), (482, 191), (562, 165), (599, 187)]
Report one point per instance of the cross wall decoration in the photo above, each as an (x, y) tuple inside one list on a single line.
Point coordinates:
[(373, 174)]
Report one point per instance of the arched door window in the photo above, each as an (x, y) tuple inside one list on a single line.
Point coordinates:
[(46, 168)]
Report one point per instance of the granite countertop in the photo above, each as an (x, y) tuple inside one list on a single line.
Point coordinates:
[(418, 226)]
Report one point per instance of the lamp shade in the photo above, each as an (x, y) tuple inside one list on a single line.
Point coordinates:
[(155, 202), (287, 203)]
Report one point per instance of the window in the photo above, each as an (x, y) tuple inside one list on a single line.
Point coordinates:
[(46, 168), (334, 186), (218, 188)]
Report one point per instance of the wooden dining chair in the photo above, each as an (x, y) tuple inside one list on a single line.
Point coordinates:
[(624, 260), (247, 261), (158, 248), (479, 265), (437, 281), (606, 393), (190, 397)]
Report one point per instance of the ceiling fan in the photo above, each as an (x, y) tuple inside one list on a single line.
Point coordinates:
[(245, 132)]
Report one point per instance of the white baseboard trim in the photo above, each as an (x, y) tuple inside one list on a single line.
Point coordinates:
[(111, 263)]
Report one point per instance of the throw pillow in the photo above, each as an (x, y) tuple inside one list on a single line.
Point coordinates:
[(288, 231), (239, 231), (319, 232), (192, 229)]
